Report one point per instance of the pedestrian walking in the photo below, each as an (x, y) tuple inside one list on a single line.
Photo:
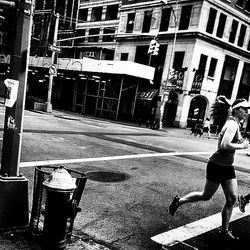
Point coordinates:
[(206, 127), (220, 169), (243, 201)]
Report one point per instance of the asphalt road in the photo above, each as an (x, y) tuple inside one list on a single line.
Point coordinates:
[(133, 174)]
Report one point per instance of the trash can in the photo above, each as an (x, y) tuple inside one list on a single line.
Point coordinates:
[(42, 173)]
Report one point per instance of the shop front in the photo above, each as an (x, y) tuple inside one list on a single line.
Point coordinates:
[(107, 89)]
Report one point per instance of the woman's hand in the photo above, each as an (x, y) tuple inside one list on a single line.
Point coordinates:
[(245, 144)]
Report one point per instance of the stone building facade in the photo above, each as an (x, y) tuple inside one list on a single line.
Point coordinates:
[(204, 52)]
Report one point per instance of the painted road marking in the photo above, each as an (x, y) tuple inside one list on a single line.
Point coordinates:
[(196, 228), (182, 233), (113, 158), (107, 158)]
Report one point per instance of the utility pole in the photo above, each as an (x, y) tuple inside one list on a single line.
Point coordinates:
[(163, 92), (53, 66), (14, 186)]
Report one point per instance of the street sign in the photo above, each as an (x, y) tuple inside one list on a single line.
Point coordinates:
[(55, 48), (12, 89), (53, 70)]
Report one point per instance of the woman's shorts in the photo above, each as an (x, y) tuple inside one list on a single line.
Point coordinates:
[(218, 173)]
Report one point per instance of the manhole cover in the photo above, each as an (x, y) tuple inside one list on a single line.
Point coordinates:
[(107, 176)]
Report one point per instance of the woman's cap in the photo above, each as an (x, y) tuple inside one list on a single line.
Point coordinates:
[(243, 104)]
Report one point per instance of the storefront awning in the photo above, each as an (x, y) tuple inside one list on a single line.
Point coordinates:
[(97, 66), (147, 95)]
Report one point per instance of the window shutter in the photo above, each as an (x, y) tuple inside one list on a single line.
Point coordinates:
[(122, 25), (155, 20), (138, 21), (195, 16)]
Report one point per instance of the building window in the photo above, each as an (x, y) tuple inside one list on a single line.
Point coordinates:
[(165, 17), (203, 62), (230, 70), (130, 23), (112, 12), (248, 46), (141, 55), (211, 20), (96, 14), (228, 76), (244, 87), (185, 17), (240, 3), (221, 25), (124, 56), (108, 38), (79, 33), (147, 21), (246, 75), (178, 59), (233, 31), (212, 67), (82, 15), (243, 29), (93, 35), (247, 6)]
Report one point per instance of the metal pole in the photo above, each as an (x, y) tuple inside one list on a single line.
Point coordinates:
[(51, 76), (174, 42), (19, 61), (72, 12), (13, 186), (119, 100), (169, 66), (134, 103)]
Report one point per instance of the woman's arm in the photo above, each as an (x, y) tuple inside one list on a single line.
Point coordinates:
[(226, 142)]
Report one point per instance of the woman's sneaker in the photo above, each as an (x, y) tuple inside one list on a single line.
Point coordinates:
[(174, 205), (242, 203)]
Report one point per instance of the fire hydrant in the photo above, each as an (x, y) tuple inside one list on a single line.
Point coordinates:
[(59, 187)]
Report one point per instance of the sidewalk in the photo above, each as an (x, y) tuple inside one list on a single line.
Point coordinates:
[(22, 240)]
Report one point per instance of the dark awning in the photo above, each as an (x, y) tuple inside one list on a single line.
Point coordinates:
[(147, 95)]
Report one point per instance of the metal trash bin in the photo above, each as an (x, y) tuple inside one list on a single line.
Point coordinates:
[(42, 173)]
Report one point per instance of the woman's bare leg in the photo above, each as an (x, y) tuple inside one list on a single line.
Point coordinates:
[(209, 189), (230, 189)]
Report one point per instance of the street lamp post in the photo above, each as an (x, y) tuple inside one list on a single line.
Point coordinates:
[(164, 92), (53, 66), (14, 186)]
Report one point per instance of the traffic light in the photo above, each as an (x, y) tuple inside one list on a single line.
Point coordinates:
[(156, 49), (153, 47)]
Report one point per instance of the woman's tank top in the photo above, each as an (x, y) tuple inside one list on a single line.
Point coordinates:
[(222, 156)]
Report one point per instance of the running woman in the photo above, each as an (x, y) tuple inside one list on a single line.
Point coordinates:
[(220, 169)]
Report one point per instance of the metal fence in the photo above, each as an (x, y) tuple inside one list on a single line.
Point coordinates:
[(39, 198)]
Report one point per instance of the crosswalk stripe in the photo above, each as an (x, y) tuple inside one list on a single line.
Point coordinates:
[(107, 158), (112, 158), (196, 228)]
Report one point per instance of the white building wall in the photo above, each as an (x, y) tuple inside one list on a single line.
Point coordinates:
[(215, 48)]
